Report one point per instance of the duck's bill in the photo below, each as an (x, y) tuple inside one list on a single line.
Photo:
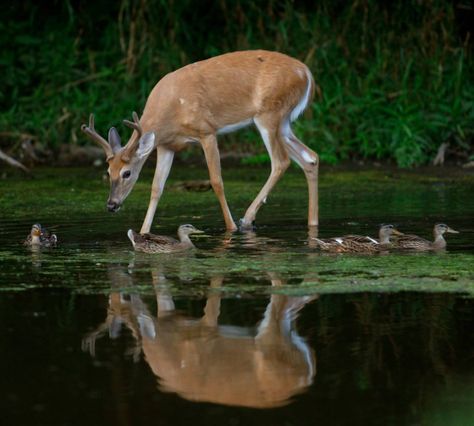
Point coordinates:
[(198, 231), (452, 231), (397, 232)]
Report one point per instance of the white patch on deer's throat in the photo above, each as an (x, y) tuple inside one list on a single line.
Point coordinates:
[(233, 127), (181, 101)]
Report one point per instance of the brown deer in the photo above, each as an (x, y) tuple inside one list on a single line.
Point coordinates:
[(211, 97), (201, 360)]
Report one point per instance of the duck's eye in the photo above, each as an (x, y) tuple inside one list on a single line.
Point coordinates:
[(126, 174)]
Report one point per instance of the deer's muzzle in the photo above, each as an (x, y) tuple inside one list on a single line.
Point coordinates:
[(113, 206)]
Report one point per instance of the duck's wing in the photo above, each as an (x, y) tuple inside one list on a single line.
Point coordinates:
[(358, 239), (410, 238), (339, 240), (45, 234), (323, 240), (328, 244), (360, 244), (48, 239), (411, 241), (159, 239)]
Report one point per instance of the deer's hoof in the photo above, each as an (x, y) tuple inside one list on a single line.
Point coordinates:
[(246, 226)]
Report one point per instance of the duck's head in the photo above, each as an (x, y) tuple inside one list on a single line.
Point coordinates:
[(441, 228), (36, 230), (188, 230), (386, 231)]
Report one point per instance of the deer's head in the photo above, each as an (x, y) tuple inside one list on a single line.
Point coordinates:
[(125, 163)]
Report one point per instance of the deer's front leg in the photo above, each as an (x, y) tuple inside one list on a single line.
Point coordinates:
[(164, 299), (213, 303), (211, 151), (164, 161)]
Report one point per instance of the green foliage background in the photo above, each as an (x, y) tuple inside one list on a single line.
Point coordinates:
[(395, 78)]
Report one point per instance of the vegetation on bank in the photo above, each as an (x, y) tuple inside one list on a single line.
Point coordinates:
[(395, 78)]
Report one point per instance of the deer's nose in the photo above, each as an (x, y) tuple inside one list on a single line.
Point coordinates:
[(112, 206)]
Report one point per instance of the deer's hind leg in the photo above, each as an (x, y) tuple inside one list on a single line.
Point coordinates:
[(269, 128), (308, 160)]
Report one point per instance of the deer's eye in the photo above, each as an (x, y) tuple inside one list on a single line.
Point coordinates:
[(126, 174)]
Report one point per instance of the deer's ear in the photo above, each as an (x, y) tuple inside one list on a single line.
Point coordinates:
[(146, 144), (114, 139)]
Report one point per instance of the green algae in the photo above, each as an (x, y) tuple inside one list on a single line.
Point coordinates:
[(92, 241)]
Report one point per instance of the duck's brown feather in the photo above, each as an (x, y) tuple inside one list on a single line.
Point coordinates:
[(159, 239), (413, 242), (348, 243)]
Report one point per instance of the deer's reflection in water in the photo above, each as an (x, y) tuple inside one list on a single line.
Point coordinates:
[(202, 360)]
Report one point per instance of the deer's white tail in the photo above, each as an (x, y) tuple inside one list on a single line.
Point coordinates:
[(303, 103)]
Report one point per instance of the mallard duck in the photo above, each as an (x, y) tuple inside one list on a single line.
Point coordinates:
[(40, 237), (150, 243), (359, 243), (413, 242)]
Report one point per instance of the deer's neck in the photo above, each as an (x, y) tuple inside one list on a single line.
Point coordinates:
[(170, 131)]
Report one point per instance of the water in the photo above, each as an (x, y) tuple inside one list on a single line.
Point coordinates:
[(251, 328)]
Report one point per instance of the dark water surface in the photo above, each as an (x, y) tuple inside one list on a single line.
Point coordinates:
[(251, 328)]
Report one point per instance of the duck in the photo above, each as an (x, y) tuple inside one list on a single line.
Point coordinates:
[(414, 242), (150, 243), (40, 237), (359, 243)]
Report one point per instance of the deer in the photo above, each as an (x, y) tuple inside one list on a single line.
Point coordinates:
[(202, 360), (202, 100)]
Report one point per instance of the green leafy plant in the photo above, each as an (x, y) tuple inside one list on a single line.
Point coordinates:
[(395, 80)]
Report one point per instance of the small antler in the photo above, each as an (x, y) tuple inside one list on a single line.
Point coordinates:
[(135, 125), (132, 143), (90, 131)]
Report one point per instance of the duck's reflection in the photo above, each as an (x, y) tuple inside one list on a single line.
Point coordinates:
[(202, 360)]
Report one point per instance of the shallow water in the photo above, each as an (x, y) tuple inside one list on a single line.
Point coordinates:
[(250, 328)]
